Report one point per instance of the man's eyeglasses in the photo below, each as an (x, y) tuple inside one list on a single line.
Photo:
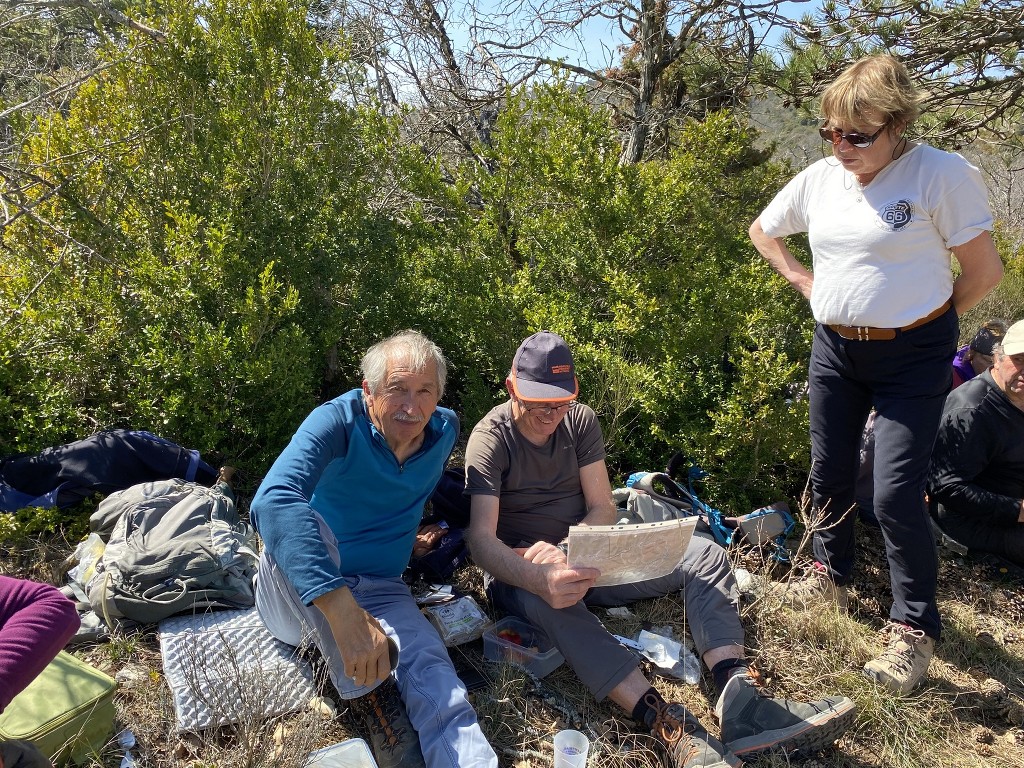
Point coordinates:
[(855, 138), (547, 410)]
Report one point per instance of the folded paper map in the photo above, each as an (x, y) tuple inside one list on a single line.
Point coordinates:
[(629, 553)]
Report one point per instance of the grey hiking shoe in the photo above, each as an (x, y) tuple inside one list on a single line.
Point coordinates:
[(391, 735), (905, 659), (814, 589), (688, 744), (753, 722)]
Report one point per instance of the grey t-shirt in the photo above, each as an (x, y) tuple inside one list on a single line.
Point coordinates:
[(538, 487)]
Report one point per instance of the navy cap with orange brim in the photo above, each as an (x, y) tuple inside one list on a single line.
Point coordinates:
[(543, 369)]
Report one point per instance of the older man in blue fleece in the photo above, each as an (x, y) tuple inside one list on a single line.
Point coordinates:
[(338, 513)]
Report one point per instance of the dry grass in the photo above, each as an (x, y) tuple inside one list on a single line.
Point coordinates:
[(969, 713)]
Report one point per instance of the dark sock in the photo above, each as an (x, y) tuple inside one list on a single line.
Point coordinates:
[(725, 670), (643, 712)]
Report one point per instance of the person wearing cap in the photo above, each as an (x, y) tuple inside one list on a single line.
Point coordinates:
[(975, 357), (339, 512), (976, 478), (884, 215), (535, 465)]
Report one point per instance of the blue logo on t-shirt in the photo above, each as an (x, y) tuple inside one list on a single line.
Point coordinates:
[(895, 216)]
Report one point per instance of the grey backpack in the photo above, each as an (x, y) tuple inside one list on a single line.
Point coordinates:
[(173, 547), (639, 506)]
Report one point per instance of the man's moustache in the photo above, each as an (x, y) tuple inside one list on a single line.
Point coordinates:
[(411, 419)]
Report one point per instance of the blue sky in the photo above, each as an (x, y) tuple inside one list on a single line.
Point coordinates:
[(601, 37)]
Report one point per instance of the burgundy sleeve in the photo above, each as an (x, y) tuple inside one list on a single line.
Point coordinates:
[(36, 622)]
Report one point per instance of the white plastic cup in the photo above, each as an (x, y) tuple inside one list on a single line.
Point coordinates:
[(571, 749)]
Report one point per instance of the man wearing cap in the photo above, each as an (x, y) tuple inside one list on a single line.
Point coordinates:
[(338, 512), (535, 466), (976, 478), (976, 357)]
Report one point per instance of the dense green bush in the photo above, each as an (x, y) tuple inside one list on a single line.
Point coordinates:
[(183, 279), (685, 340), (229, 237)]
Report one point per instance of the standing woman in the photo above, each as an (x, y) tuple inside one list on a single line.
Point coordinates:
[(883, 215)]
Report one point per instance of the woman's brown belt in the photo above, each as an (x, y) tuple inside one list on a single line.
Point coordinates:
[(867, 333)]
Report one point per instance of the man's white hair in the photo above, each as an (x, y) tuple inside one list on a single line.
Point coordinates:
[(409, 347)]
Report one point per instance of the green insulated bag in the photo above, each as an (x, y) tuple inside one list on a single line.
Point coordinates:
[(67, 712)]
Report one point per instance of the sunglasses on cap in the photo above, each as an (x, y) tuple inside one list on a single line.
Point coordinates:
[(855, 138)]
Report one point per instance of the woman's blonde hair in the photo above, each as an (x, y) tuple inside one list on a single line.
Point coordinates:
[(879, 86)]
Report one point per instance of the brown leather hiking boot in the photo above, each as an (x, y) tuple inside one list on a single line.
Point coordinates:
[(391, 735), (688, 744)]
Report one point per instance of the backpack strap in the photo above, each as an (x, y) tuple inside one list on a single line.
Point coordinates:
[(661, 486), (105, 599), (725, 530)]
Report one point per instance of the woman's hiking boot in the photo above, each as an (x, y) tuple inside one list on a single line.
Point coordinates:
[(753, 722), (814, 589), (688, 744), (905, 659), (391, 735)]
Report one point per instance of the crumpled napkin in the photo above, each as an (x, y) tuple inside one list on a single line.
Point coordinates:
[(672, 657)]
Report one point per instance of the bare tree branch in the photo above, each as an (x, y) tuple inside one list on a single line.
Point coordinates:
[(967, 54), (49, 53), (57, 90), (103, 11)]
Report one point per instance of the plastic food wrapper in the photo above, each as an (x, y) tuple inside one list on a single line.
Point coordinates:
[(458, 621), (432, 594), (748, 584), (353, 753), (626, 554), (86, 555), (671, 656)]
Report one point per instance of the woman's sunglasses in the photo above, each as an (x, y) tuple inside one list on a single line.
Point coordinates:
[(856, 139)]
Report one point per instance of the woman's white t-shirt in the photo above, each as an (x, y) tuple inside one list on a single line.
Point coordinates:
[(882, 251)]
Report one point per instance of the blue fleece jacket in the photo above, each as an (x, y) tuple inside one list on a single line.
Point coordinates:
[(340, 465)]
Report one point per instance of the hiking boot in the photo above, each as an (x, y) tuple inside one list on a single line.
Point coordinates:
[(753, 722), (688, 744), (814, 589), (904, 660), (391, 735)]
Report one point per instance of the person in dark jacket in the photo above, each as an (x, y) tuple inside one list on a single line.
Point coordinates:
[(976, 479)]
